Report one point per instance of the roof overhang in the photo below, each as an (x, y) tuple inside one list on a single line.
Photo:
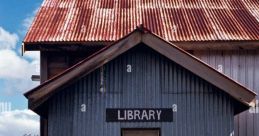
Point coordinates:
[(186, 45), (40, 94)]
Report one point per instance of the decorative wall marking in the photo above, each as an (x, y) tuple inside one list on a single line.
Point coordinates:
[(232, 133), (174, 28), (220, 68), (5, 106), (102, 80), (83, 107), (255, 110), (83, 29), (174, 107), (139, 115), (129, 68)]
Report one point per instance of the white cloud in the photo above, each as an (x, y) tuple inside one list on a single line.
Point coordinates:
[(13, 66), (18, 123), (16, 70), (7, 40), (28, 20), (33, 55), (15, 78)]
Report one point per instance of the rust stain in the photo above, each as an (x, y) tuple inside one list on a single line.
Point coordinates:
[(174, 20)]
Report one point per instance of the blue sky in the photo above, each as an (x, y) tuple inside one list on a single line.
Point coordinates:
[(15, 69), (13, 12), (13, 15)]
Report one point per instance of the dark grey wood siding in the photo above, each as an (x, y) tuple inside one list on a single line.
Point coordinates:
[(155, 82)]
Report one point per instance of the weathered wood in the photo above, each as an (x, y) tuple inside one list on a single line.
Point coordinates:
[(138, 132), (43, 66), (57, 62), (64, 46), (55, 71), (43, 127), (186, 45), (44, 77), (217, 45)]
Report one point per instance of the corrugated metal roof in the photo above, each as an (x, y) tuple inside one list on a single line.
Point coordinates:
[(174, 20)]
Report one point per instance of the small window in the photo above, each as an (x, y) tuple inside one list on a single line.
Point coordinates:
[(140, 132)]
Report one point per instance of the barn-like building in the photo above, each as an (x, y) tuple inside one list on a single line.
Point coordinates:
[(146, 67)]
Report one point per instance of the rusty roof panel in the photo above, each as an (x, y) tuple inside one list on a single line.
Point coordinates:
[(174, 20)]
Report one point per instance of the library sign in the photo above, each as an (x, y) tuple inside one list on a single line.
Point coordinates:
[(139, 115)]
